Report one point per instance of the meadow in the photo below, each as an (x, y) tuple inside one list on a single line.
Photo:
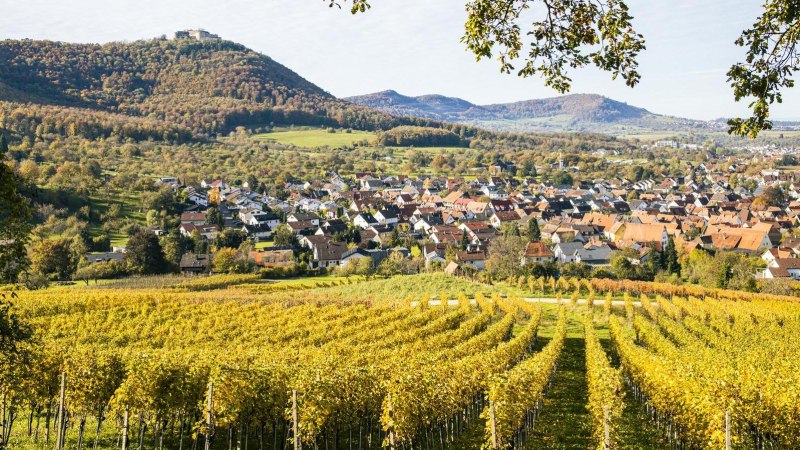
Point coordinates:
[(312, 137)]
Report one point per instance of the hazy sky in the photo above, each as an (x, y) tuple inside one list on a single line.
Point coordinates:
[(413, 46)]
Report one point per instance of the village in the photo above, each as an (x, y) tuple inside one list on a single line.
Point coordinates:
[(450, 223)]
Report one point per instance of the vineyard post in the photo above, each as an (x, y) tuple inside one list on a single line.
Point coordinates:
[(495, 444), (125, 429), (727, 430), (208, 415), (294, 421), (61, 415), (607, 431), (391, 429)]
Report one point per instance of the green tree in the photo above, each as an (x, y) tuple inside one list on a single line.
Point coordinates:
[(773, 196), (144, 255), (622, 267), (534, 233), (464, 242), (15, 227), (670, 256), (3, 145), (175, 245), (771, 58), (214, 217), (284, 236), (231, 238)]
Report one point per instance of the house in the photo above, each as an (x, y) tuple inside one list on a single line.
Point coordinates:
[(192, 263), (331, 227), (645, 235), (302, 227), (783, 268), (537, 252), (387, 216), (257, 232), (565, 251), (501, 217), (194, 218), (329, 254), (359, 253), (277, 257), (476, 259), (209, 232), (365, 220), (303, 217), (434, 253), (594, 254)]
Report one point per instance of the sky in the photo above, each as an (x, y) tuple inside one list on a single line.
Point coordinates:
[(413, 46)]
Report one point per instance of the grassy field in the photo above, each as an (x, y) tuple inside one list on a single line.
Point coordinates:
[(316, 137), (129, 210)]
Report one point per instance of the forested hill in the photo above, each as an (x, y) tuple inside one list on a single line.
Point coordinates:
[(172, 88), (575, 112)]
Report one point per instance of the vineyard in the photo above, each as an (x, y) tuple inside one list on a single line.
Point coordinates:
[(422, 362)]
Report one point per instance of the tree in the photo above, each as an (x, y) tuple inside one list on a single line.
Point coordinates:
[(773, 196), (231, 238), (284, 236), (563, 178), (510, 229), (567, 34), (670, 257), (13, 332), (622, 267), (15, 216), (175, 245), (214, 217), (51, 257), (464, 242), (770, 60), (534, 234), (225, 260), (3, 145), (505, 254), (144, 255)]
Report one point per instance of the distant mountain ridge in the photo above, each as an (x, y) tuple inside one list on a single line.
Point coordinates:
[(574, 112)]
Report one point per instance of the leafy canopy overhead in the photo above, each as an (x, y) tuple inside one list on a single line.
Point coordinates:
[(568, 34)]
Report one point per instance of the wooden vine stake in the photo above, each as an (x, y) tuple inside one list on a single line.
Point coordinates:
[(294, 421), (61, 413), (125, 429), (727, 430), (495, 444), (607, 429), (209, 405)]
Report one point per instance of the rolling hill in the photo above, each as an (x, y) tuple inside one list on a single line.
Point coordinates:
[(575, 112), (176, 86)]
